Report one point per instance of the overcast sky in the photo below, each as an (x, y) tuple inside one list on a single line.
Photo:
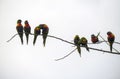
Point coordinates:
[(65, 19)]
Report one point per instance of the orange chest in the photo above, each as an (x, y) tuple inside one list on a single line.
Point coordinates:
[(27, 25), (111, 36), (19, 25)]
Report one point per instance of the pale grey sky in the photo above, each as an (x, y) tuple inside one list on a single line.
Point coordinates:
[(65, 18)]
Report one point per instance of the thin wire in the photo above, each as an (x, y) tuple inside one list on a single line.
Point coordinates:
[(104, 51), (61, 39), (12, 37), (65, 55), (117, 42), (70, 43)]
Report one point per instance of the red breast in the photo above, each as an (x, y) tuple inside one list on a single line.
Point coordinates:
[(111, 36)]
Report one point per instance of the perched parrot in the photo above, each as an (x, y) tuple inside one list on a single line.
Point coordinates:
[(45, 31), (19, 29), (83, 42), (27, 30), (37, 32), (77, 43), (111, 39), (94, 38)]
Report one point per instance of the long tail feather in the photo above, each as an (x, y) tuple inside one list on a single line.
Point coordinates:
[(35, 37), (87, 48), (44, 39), (21, 37), (27, 37), (79, 50), (111, 46)]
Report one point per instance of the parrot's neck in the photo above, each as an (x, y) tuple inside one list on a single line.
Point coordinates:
[(45, 26), (37, 28), (19, 24), (94, 38), (27, 25)]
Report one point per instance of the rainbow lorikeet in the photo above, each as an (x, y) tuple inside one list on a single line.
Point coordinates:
[(83, 42), (77, 43), (19, 29), (37, 32), (94, 38), (27, 30), (111, 39), (45, 31)]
